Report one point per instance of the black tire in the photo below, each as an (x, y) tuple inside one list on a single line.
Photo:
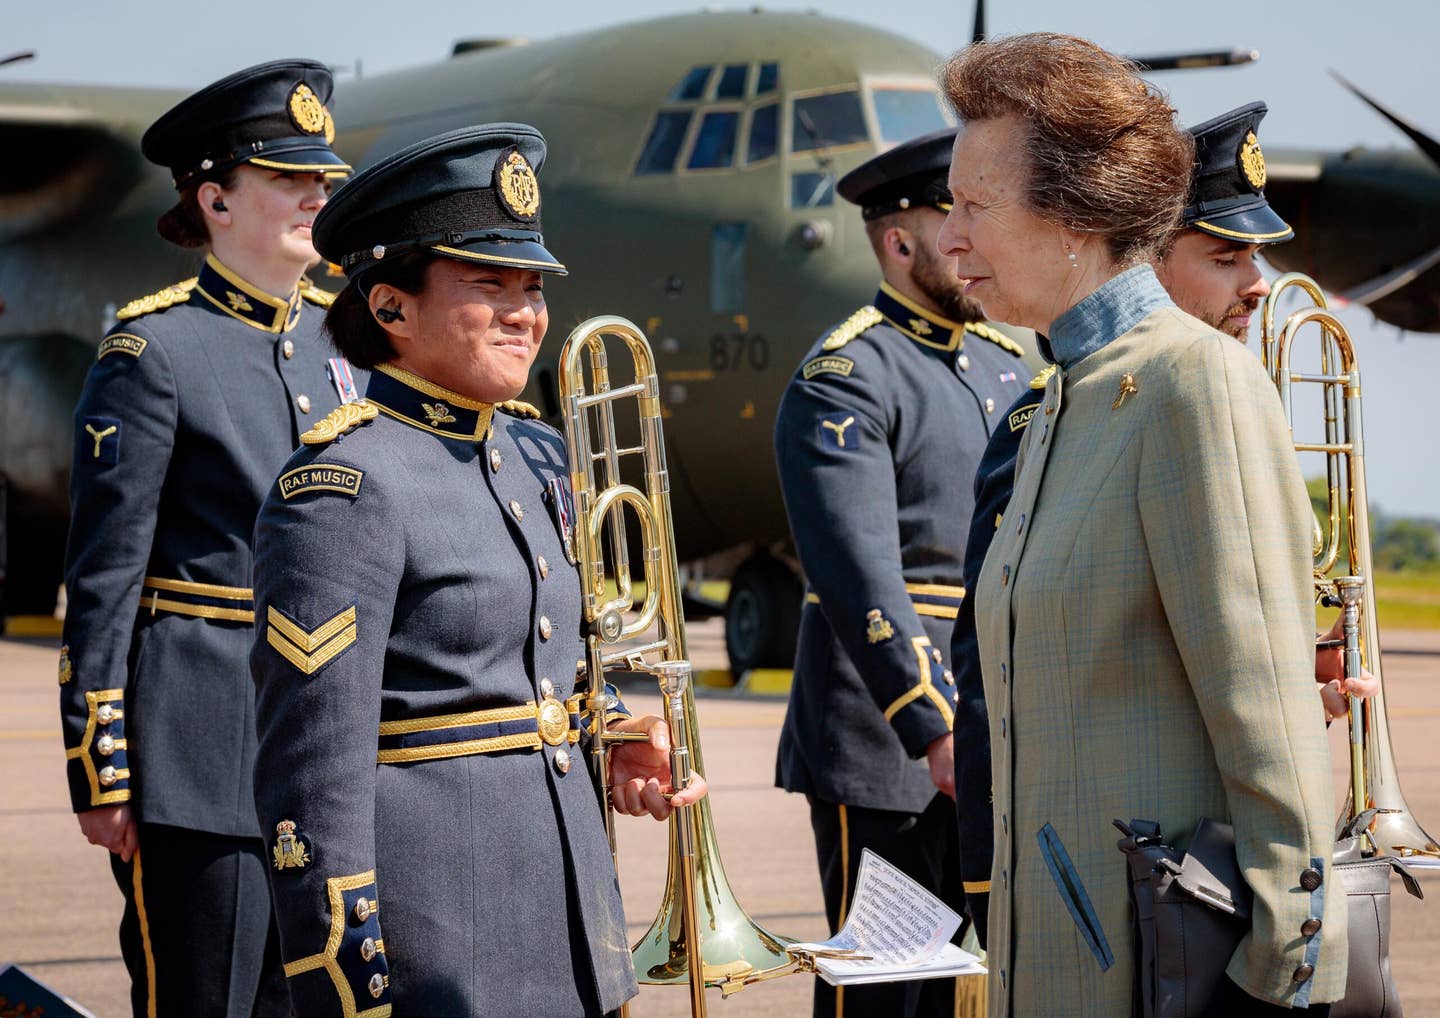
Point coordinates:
[(762, 615)]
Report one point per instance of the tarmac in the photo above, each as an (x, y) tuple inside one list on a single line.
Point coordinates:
[(61, 908)]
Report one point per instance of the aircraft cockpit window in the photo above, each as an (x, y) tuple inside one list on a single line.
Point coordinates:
[(904, 113), (768, 79), (764, 133), (732, 81), (692, 86), (663, 145), (827, 121), (714, 147), (811, 190)]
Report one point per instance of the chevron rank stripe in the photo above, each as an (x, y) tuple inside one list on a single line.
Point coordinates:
[(307, 650)]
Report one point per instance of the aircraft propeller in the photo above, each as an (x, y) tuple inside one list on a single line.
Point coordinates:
[(15, 58)]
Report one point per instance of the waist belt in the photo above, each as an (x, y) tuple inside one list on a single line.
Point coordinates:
[(935, 599), (526, 726), (202, 600)]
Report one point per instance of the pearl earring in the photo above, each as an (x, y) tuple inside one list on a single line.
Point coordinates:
[(1071, 255)]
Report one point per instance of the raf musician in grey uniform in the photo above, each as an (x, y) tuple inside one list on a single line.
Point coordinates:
[(878, 435), (437, 845), (197, 398)]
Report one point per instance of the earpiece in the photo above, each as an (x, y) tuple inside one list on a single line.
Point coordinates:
[(388, 315), (218, 206), (903, 249)]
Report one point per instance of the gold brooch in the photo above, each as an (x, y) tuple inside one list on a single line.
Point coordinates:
[(1127, 386), (438, 413), (1252, 161), (878, 628), (519, 190), (306, 109)]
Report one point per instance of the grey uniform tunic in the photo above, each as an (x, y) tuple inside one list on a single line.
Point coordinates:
[(410, 574)]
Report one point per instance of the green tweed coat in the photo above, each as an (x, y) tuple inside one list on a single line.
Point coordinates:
[(1146, 626)]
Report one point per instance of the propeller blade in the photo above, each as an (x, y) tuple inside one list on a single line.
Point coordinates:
[(1383, 286), (1191, 61), (978, 35), (1424, 142), (15, 58)]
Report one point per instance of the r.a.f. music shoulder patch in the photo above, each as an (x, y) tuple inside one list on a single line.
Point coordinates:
[(1020, 416), (121, 342), (320, 477), (824, 365)]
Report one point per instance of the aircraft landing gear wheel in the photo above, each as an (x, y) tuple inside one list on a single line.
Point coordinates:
[(762, 615)]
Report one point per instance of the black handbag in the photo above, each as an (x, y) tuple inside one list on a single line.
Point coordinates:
[(1192, 908)]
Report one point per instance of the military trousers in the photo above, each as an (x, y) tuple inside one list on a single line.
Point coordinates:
[(925, 846), (197, 934)]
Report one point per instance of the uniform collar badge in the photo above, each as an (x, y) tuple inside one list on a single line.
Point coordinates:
[(921, 325), (423, 404), (231, 293)]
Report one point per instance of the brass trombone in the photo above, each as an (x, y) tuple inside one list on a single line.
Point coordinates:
[(701, 935), (1374, 780)]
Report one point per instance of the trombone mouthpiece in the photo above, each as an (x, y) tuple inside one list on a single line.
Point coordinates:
[(1350, 588), (674, 676)]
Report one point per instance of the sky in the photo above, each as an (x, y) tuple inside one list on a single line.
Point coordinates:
[(1390, 55)]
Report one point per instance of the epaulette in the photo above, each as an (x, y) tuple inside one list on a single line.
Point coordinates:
[(995, 336), (519, 408), (340, 420), (865, 318), (179, 293), (314, 294), (1043, 379)]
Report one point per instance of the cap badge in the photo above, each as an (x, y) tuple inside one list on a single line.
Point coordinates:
[(306, 109), (1252, 161), (516, 184)]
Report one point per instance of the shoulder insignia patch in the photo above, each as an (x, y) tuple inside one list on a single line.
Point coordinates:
[(292, 848), (320, 477), (995, 336), (1021, 416), (1043, 378), (519, 408), (847, 330), (121, 342), (314, 294), (338, 421), (311, 650), (877, 627), (824, 365), (158, 301)]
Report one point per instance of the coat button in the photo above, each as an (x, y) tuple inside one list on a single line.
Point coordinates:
[(963, 362), (562, 761), (1310, 927), (105, 745), (989, 405), (108, 776), (1002, 979), (1005, 575), (377, 985), (363, 910), (1020, 527), (1002, 728), (935, 654), (105, 714), (367, 949), (542, 565), (1005, 879), (1310, 879), (1303, 973), (949, 677), (547, 688), (303, 402), (517, 509), (1004, 675), (287, 348), (495, 461), (545, 627), (1005, 823)]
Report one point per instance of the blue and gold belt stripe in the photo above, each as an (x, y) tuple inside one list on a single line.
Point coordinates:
[(202, 600), (939, 600), (525, 726)]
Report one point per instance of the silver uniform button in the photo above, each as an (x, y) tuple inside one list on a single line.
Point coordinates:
[(367, 949), (303, 402), (542, 565), (105, 745), (562, 761), (377, 985), (989, 405), (963, 361), (545, 627), (547, 688), (363, 909), (108, 776), (105, 714), (935, 653), (949, 677), (495, 461), (288, 349), (517, 509)]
